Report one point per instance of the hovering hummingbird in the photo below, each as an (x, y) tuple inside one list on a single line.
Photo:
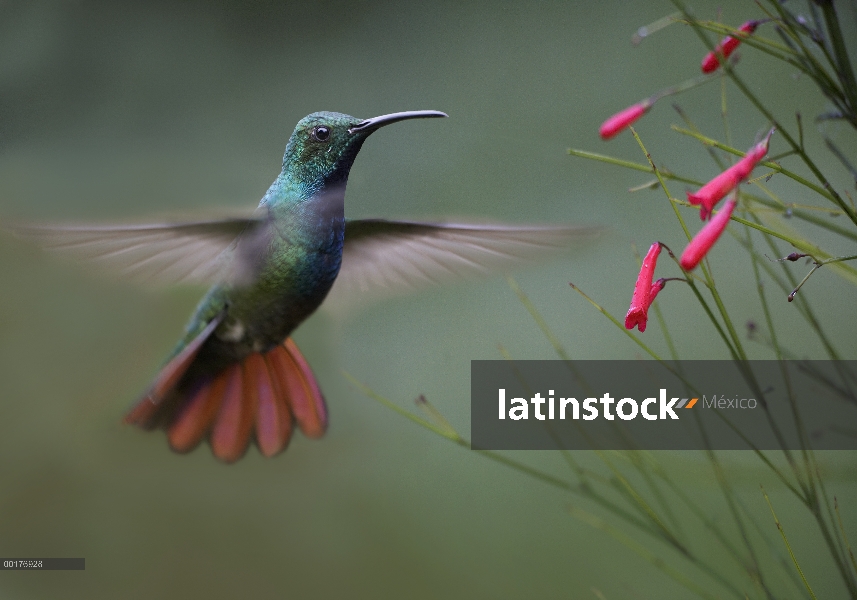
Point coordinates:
[(236, 375)]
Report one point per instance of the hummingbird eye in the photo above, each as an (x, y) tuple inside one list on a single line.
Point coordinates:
[(321, 133)]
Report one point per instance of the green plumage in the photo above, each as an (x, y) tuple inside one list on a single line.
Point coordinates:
[(294, 252)]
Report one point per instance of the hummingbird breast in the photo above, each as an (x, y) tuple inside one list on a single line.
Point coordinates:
[(293, 280), (293, 272)]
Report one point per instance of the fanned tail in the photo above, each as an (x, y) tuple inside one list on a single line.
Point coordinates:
[(259, 398)]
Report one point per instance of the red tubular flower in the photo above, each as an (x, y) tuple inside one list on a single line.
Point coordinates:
[(726, 47), (713, 191), (707, 236), (621, 120), (644, 291)]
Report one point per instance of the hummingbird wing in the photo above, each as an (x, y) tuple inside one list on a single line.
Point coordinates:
[(391, 257), (162, 253)]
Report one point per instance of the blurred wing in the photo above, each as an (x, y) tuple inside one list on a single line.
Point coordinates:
[(391, 257), (195, 252)]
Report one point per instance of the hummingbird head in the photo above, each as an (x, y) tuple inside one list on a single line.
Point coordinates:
[(324, 145)]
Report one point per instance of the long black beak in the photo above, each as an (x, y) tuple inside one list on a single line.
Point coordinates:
[(374, 123)]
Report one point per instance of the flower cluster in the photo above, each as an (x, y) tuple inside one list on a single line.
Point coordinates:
[(808, 194), (625, 118), (707, 197)]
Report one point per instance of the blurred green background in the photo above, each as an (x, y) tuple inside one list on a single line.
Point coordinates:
[(118, 110)]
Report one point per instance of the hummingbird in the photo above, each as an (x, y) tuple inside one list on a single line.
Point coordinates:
[(236, 376)]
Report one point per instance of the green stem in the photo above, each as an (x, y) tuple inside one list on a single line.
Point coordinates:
[(619, 325), (807, 310), (843, 64), (816, 267), (720, 476), (680, 376), (771, 165), (735, 347), (647, 555), (832, 541), (844, 535), (804, 215), (443, 432), (788, 546), (825, 184), (538, 318), (768, 46), (808, 487), (713, 527), (818, 72), (634, 496)]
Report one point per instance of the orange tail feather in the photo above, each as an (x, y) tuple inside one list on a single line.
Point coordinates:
[(234, 423), (301, 388), (193, 421), (273, 419), (262, 395)]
